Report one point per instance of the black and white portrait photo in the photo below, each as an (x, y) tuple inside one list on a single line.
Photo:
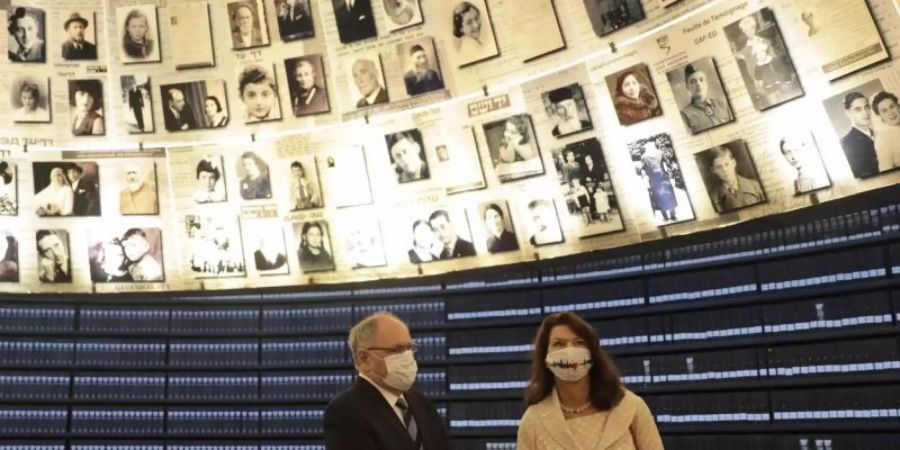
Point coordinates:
[(9, 191), (214, 243), (295, 19), (355, 20), (368, 80), (542, 221), (140, 33), (766, 66), (306, 192), (402, 13), (422, 73), (657, 166), (802, 154), (210, 184), (29, 99), (137, 193), (9, 257), (194, 105), (567, 109), (730, 177), (258, 92), (363, 246), (407, 153), (254, 177), (513, 147), (137, 103), (307, 85), (314, 246), (27, 34), (442, 234), (265, 238), (54, 264), (633, 94), (66, 188), (868, 131), (248, 24), (129, 255), (611, 15), (86, 108), (500, 236), (587, 187), (472, 37), (700, 95), (81, 38)]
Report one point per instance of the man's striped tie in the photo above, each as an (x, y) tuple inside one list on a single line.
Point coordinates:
[(411, 427)]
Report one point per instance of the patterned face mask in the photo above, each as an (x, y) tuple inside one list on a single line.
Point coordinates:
[(569, 364)]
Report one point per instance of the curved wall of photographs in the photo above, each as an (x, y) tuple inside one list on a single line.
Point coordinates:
[(194, 145)]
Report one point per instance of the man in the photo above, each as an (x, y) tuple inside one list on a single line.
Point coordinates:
[(454, 246), (295, 22), (136, 103), (421, 78), (703, 112), (859, 142), (365, 76), (76, 47), (246, 32), (733, 191), (355, 21), (545, 223), (141, 265), (566, 112), (209, 190), (86, 197), (53, 263), (9, 261), (178, 114), (407, 155), (309, 98), (380, 412), (255, 185), (811, 174), (138, 197)]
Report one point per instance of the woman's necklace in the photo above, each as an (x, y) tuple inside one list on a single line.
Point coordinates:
[(575, 410)]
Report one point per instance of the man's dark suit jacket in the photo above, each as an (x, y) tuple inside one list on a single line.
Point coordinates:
[(88, 50), (860, 151), (461, 249), (360, 419), (86, 200), (186, 117), (355, 24), (382, 97)]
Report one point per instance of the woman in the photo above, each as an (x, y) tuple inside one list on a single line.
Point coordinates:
[(425, 247), (312, 253), (25, 43), (257, 90), (8, 206), (583, 200), (662, 193), (575, 398), (467, 26), (108, 263), (498, 240), (87, 98), (31, 111), (135, 41), (633, 100), (215, 114), (401, 12), (516, 143), (57, 198), (887, 138)]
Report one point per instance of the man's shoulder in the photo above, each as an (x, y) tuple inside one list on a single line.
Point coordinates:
[(347, 401)]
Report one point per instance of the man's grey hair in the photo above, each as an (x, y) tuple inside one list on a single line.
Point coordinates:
[(365, 330)]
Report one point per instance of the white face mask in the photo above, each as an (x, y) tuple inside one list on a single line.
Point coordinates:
[(569, 364), (401, 370)]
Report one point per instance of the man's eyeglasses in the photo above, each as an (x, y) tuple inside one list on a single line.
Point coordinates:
[(396, 350)]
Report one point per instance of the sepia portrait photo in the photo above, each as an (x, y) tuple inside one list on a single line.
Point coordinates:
[(766, 67), (295, 20), (355, 20), (608, 16), (472, 37), (422, 73), (801, 153), (210, 180), (657, 166), (730, 177), (140, 33), (307, 85), (314, 246), (442, 234), (541, 221), (80, 36), (86, 108), (306, 192), (258, 92), (137, 103), (513, 147), (138, 189), (368, 79), (214, 243), (54, 264), (567, 109), (248, 24), (29, 99), (402, 13), (27, 34), (253, 173), (407, 153), (500, 236), (634, 97), (9, 190), (265, 238), (194, 105), (66, 188), (129, 255), (700, 95), (9, 257)]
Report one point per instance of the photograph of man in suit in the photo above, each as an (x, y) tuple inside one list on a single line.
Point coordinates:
[(731, 190), (53, 256), (367, 80), (355, 21), (177, 113), (245, 27), (86, 193), (454, 246), (76, 47), (136, 103), (859, 142), (294, 20), (308, 94), (380, 411)]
